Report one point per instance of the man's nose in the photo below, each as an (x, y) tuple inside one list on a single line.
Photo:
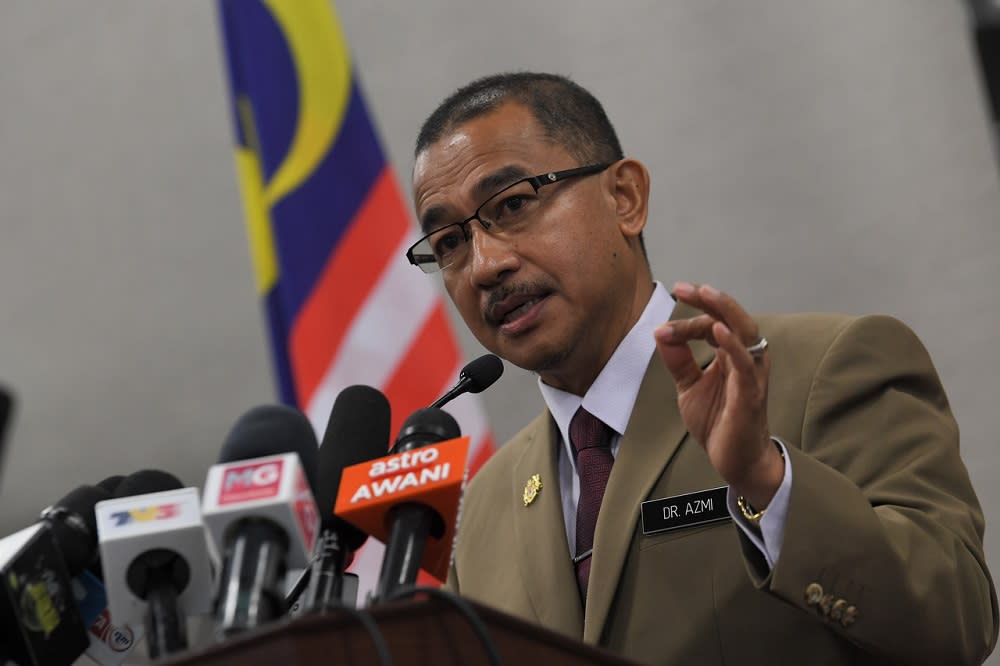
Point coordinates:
[(490, 256)]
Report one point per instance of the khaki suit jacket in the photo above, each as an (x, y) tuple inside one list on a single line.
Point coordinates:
[(881, 514)]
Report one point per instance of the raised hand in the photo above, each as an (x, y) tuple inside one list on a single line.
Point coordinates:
[(724, 406)]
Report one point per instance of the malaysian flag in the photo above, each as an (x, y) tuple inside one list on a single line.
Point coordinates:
[(328, 228)]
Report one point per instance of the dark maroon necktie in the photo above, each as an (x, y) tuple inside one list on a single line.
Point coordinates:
[(591, 439)]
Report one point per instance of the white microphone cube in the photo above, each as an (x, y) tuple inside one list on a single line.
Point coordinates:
[(130, 526), (273, 488)]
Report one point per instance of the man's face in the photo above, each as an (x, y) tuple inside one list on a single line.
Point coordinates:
[(557, 297)]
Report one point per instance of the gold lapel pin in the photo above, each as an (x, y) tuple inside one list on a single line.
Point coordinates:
[(532, 488)]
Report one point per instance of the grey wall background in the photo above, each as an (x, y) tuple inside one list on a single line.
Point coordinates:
[(805, 155)]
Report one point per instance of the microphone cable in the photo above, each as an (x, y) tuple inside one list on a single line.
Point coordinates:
[(409, 591), (363, 617), (366, 621), (378, 639)]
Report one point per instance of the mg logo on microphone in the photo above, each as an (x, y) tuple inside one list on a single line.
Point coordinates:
[(254, 481)]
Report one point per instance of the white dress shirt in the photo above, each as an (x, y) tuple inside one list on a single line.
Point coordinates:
[(611, 398)]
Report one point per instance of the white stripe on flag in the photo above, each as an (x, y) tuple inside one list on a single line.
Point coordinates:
[(374, 346), (379, 337)]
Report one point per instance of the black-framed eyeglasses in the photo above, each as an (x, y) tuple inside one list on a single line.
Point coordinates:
[(506, 212)]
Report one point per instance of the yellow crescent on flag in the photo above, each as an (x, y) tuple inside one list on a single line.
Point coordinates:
[(322, 65)]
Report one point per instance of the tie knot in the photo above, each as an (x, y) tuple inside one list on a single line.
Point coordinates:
[(586, 431)]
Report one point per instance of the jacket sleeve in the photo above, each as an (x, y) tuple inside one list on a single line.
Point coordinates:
[(883, 539)]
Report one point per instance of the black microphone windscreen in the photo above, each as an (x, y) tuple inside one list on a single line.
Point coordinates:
[(147, 481), (358, 431), (111, 483), (6, 407), (482, 372), (6, 410), (271, 430), (425, 426), (76, 533), (81, 501)]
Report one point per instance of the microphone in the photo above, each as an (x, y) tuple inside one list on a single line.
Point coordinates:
[(358, 431), (41, 623), (74, 522), (404, 498), (96, 569), (260, 511), (476, 377), (6, 412), (74, 526), (69, 530), (38, 608), (156, 560), (110, 643), (111, 483)]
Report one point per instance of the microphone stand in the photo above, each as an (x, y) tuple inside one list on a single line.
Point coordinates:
[(166, 630), (256, 561), (411, 524), (327, 577), (156, 576)]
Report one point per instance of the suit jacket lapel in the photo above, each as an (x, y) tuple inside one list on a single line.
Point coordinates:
[(542, 550), (654, 432)]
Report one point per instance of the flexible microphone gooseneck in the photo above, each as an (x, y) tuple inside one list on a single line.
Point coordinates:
[(476, 377)]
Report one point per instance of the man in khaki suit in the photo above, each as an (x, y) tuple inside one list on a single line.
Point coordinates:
[(849, 532)]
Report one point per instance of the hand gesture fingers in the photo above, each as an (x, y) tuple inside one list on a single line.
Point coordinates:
[(719, 306), (725, 405), (671, 342)]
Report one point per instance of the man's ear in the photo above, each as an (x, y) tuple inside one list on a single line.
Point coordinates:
[(630, 182)]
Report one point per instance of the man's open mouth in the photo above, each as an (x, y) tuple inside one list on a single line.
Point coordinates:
[(521, 309), (513, 307)]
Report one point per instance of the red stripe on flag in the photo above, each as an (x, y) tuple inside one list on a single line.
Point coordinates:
[(426, 368), (352, 269)]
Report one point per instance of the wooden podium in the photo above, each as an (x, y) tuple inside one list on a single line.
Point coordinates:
[(416, 632)]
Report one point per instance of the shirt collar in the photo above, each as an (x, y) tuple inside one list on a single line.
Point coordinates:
[(612, 395)]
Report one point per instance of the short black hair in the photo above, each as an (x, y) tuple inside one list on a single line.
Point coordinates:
[(567, 113)]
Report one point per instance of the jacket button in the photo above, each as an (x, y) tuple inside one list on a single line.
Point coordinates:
[(850, 615), (837, 610), (814, 592), (826, 603)]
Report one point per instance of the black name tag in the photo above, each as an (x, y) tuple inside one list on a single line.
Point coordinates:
[(671, 513)]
